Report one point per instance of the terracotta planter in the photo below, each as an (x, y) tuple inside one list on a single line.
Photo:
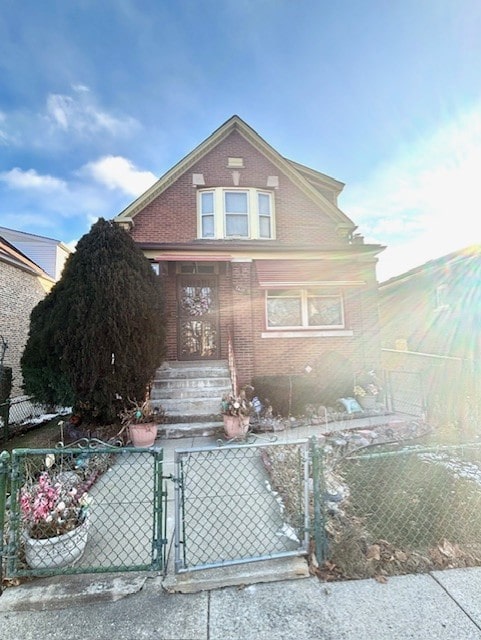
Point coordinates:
[(60, 551), (143, 435), (236, 427)]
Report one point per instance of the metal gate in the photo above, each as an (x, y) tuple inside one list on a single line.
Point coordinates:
[(240, 503), (115, 494)]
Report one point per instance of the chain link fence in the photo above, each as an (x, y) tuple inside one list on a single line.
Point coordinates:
[(240, 503), (82, 510), (446, 390), (18, 412), (408, 510)]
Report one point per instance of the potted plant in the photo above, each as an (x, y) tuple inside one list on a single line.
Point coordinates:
[(367, 390), (55, 519), (141, 421), (236, 411)]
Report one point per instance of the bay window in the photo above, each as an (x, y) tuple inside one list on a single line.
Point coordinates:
[(236, 213)]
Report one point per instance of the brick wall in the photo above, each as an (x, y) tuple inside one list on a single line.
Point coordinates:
[(19, 293), (172, 217), (243, 308)]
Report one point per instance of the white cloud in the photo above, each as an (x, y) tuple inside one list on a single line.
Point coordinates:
[(31, 180), (117, 172), (426, 202), (80, 114)]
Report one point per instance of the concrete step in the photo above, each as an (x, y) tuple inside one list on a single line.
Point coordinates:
[(173, 393), (191, 391), (190, 405), (188, 383), (171, 370), (191, 429)]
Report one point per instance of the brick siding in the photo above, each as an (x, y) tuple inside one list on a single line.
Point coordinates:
[(172, 217), (19, 293)]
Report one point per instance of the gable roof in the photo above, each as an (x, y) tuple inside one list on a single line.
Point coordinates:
[(468, 253), (13, 256), (14, 235), (296, 172)]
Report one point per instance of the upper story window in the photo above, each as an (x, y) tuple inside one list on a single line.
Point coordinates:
[(236, 213)]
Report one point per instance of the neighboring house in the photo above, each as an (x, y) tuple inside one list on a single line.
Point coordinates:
[(258, 261), (436, 307), (47, 253), (22, 285)]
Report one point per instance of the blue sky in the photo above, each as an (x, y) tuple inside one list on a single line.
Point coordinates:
[(98, 99)]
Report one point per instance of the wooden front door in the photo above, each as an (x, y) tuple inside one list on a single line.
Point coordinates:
[(198, 317)]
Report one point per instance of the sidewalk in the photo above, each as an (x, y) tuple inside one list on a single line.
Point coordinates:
[(443, 605)]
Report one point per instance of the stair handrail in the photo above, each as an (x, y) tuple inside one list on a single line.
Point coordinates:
[(231, 361)]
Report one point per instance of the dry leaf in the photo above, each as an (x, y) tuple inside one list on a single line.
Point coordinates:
[(380, 579), (447, 549), (373, 552), (400, 556)]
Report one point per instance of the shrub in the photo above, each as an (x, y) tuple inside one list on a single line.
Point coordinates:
[(98, 336)]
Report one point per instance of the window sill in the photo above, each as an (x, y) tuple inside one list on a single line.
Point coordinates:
[(306, 333)]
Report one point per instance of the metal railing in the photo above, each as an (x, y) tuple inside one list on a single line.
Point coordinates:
[(231, 362)]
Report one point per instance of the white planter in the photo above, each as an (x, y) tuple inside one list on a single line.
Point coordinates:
[(60, 551), (367, 402)]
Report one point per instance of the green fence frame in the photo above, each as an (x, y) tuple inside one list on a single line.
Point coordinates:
[(4, 471), (12, 473)]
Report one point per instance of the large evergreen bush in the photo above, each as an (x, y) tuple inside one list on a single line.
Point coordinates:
[(98, 336)]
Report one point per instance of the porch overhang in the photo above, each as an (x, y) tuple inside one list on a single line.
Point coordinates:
[(272, 274), (191, 257)]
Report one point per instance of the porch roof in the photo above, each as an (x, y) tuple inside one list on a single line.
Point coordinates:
[(283, 273)]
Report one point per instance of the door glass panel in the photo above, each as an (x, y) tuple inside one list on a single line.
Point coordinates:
[(198, 339), (196, 301), (198, 323)]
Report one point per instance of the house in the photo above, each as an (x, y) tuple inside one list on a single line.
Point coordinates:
[(22, 285), (436, 307), (49, 254), (260, 266), (431, 338)]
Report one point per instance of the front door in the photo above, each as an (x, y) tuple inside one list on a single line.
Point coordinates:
[(198, 317)]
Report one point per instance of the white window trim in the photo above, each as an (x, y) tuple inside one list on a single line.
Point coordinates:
[(305, 327), (220, 214), (303, 333)]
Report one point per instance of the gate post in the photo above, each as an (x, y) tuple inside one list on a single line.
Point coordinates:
[(5, 417), (4, 468), (158, 534), (320, 541)]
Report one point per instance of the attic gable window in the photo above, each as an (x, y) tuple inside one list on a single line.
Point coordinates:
[(235, 163), (235, 213)]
